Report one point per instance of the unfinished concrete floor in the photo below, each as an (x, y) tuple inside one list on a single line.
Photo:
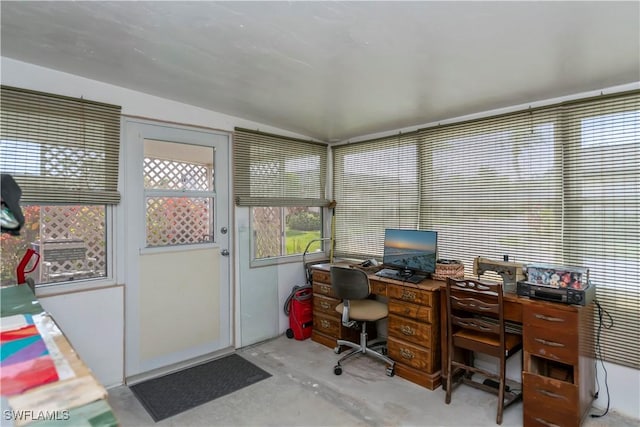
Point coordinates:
[(303, 391)]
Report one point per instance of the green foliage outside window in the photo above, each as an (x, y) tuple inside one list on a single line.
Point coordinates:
[(297, 241)]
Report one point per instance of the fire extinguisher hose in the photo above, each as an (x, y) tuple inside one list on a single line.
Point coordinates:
[(297, 295)]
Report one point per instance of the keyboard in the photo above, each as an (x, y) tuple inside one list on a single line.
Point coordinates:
[(390, 273)]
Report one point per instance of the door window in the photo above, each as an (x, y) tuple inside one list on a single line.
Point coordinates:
[(179, 193)]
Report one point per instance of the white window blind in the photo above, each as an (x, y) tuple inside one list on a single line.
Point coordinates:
[(60, 149), (602, 212), (272, 170), (376, 187), (559, 184), (493, 187)]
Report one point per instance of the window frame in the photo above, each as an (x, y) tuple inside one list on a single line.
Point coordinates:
[(153, 145), (64, 128), (291, 258), (89, 284), (258, 154)]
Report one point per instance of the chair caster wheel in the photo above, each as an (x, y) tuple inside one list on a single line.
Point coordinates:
[(337, 350), (337, 369), (289, 333), (390, 371)]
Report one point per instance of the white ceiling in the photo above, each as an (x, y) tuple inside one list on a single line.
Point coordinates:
[(335, 70)]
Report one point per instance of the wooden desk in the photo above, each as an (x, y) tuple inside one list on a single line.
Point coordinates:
[(413, 340), (558, 365)]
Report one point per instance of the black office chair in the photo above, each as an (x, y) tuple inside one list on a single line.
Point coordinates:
[(352, 286)]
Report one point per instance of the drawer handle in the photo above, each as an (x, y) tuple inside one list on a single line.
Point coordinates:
[(408, 296), (407, 330), (546, 423), (549, 343), (406, 354), (325, 305), (551, 394), (325, 324), (325, 289), (549, 318)]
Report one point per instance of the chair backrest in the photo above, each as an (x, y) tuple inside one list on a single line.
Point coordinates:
[(475, 305), (349, 283)]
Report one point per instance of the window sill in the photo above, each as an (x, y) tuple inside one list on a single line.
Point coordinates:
[(55, 289), (265, 262)]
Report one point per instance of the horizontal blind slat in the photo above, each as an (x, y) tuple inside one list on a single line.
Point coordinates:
[(60, 149), (556, 184)]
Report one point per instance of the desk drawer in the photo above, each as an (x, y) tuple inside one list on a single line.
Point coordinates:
[(410, 330), (553, 395), (408, 294), (552, 344), (549, 317), (332, 326), (536, 416), (326, 324), (412, 311), (321, 276), (378, 288), (409, 354), (325, 305), (323, 289)]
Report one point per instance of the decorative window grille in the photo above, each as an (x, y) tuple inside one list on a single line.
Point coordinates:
[(179, 198)]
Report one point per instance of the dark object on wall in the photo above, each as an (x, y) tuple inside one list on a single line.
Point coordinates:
[(11, 217)]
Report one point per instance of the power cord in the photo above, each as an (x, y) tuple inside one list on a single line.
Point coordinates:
[(601, 313)]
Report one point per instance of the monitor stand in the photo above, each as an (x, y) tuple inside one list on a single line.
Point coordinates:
[(406, 272)]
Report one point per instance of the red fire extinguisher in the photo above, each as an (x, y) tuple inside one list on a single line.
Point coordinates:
[(299, 308)]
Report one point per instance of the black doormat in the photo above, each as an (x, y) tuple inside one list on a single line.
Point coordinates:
[(174, 393)]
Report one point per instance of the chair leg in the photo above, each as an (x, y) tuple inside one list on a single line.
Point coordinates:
[(348, 344), (363, 348), (348, 356), (376, 342), (447, 398), (501, 391)]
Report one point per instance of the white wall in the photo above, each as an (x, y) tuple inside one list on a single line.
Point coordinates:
[(265, 286), (99, 313), (262, 287), (624, 389)]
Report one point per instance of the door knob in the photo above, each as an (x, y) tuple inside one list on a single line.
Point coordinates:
[(224, 252)]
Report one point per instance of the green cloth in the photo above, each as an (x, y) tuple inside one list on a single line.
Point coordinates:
[(18, 299), (94, 414)]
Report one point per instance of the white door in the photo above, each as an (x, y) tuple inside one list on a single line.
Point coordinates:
[(177, 262)]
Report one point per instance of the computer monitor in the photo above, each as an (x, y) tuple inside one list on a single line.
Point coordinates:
[(410, 251)]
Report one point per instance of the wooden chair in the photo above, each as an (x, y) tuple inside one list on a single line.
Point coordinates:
[(475, 323)]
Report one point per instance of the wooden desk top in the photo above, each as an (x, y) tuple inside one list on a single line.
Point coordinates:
[(427, 284), (77, 387), (513, 303)]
